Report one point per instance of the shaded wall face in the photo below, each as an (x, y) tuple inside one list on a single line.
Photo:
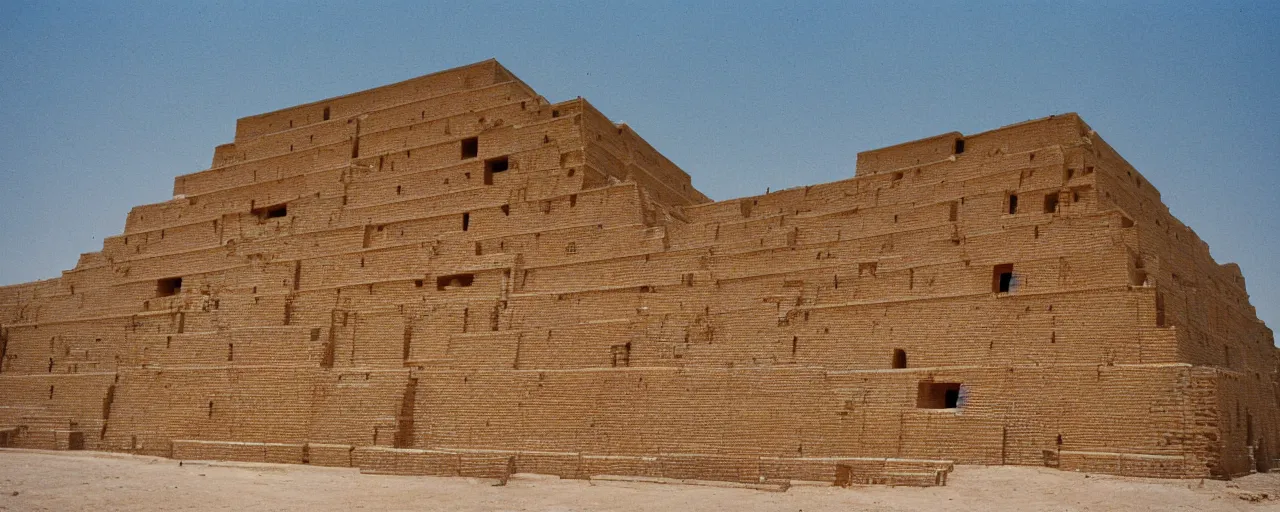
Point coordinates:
[(452, 265)]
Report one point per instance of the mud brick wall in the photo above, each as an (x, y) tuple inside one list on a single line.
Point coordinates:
[(452, 275)]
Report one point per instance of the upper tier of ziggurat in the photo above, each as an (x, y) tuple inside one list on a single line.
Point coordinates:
[(453, 276)]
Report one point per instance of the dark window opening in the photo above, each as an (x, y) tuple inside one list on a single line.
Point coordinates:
[(270, 212), (506, 209), (1051, 203), (621, 354), (955, 212), (495, 165), (899, 358), (1138, 273), (315, 334), (417, 283), (326, 113), (466, 221), (454, 281), (959, 146), (1013, 204), (1002, 278), (555, 113), (231, 351), (470, 147), (938, 395), (573, 200), (168, 287)]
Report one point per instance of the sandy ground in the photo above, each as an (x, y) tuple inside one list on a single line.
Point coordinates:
[(38, 480)]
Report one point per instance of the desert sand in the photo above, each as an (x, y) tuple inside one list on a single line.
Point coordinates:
[(61, 481)]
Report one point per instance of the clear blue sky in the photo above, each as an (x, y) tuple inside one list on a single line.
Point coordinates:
[(104, 103)]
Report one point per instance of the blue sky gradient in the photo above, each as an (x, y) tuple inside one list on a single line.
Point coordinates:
[(104, 103)]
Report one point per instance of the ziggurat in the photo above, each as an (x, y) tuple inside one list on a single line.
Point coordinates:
[(453, 276)]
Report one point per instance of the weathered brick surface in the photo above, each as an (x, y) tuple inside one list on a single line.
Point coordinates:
[(452, 275)]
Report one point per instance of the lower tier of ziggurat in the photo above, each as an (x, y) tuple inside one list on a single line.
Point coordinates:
[(453, 276)]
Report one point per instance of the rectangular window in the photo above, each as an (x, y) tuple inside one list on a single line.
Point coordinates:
[(454, 281), (621, 355), (1051, 203), (271, 212), (1013, 204), (938, 395), (168, 287), (1002, 278), (470, 147), (1137, 271), (493, 166), (959, 146)]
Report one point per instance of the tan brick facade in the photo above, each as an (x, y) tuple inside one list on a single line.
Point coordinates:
[(451, 275)]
